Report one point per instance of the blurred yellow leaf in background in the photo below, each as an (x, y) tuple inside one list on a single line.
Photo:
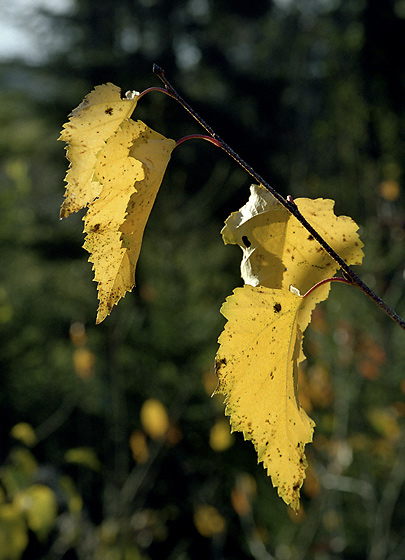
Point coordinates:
[(25, 433), (154, 419), (38, 502), (208, 521), (13, 532), (221, 438), (139, 446)]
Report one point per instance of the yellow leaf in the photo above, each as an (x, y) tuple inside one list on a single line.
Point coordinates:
[(385, 422), (257, 367), (278, 252), (85, 456), (220, 436), (261, 346), (208, 521), (389, 190), (38, 502), (116, 168), (25, 433), (83, 362), (154, 418), (90, 125), (13, 533), (139, 446), (130, 168)]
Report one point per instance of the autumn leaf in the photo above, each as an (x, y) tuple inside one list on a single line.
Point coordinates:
[(278, 252), (154, 419), (13, 532), (256, 365), (90, 125), (130, 168), (38, 503), (116, 169), (208, 521), (25, 433), (261, 346)]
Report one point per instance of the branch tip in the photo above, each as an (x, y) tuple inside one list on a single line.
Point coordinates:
[(157, 70), (349, 276)]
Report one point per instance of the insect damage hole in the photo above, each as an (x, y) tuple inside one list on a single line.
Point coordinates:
[(246, 241)]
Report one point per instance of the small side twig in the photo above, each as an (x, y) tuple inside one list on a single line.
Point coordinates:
[(350, 275)]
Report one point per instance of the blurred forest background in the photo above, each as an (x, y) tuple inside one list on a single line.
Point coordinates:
[(110, 445)]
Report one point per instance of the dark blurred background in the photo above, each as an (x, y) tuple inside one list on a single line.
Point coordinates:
[(110, 445)]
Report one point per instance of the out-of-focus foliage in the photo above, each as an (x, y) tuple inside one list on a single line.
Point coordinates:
[(319, 87)]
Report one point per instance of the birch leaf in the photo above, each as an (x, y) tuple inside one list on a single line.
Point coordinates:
[(130, 169), (261, 346), (256, 365), (116, 169), (278, 251), (89, 126)]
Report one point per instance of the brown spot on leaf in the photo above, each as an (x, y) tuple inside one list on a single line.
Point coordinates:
[(310, 237), (109, 111), (277, 307), (219, 364)]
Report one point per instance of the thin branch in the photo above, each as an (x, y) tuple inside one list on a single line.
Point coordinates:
[(288, 203)]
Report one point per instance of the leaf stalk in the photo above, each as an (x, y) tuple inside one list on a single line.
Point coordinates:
[(199, 137), (325, 281)]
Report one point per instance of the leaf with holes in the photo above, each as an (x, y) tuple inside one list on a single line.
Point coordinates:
[(278, 252)]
